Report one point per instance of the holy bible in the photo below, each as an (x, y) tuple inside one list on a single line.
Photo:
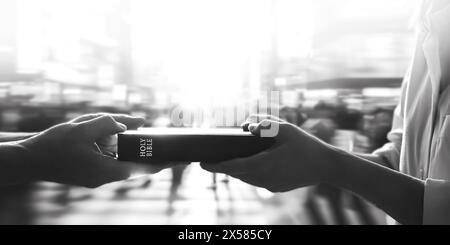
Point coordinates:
[(154, 145)]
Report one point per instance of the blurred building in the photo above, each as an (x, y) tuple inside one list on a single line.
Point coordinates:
[(133, 51)]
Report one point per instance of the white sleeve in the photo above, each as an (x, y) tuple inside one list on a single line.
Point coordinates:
[(436, 207), (391, 151)]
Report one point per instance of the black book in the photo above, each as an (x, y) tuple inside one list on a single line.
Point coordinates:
[(155, 145)]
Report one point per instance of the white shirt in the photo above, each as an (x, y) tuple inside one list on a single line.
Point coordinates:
[(420, 137)]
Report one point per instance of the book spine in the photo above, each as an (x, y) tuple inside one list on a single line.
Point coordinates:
[(138, 148)]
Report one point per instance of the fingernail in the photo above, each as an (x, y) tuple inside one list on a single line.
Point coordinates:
[(122, 126)]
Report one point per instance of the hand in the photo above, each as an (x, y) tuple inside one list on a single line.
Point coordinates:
[(108, 144), (74, 152), (296, 160), (257, 118)]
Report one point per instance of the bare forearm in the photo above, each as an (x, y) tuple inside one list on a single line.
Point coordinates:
[(399, 195), (375, 159), (10, 137), (13, 166)]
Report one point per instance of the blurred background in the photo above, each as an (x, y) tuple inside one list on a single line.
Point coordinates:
[(338, 65)]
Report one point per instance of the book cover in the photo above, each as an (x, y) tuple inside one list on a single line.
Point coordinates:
[(155, 145)]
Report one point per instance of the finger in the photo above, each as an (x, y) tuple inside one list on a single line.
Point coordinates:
[(87, 117), (251, 180), (112, 170), (108, 144), (97, 148), (256, 129), (108, 141), (130, 121), (101, 127), (250, 120), (257, 119), (235, 167), (158, 167)]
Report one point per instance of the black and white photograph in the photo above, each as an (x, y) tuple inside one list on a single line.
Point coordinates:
[(224, 119)]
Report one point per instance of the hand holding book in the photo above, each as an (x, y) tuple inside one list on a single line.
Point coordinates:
[(80, 152), (297, 159), (155, 145)]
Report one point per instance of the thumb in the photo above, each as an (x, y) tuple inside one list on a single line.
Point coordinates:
[(113, 170), (101, 127), (266, 128), (257, 118)]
